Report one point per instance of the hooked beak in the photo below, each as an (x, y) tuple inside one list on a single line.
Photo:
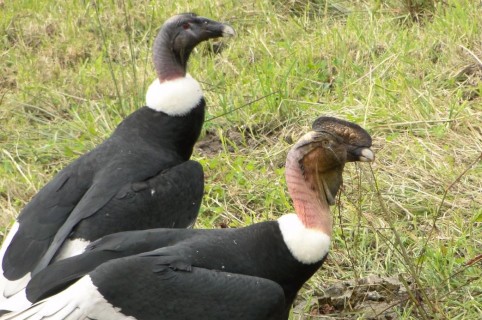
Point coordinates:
[(228, 31), (324, 155), (367, 155), (362, 154), (214, 29)]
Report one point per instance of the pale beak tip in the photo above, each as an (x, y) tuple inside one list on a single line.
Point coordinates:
[(367, 155), (228, 31)]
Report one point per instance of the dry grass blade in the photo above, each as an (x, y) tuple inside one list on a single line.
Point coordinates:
[(439, 210)]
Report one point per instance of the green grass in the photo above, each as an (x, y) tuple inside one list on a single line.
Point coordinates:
[(408, 71)]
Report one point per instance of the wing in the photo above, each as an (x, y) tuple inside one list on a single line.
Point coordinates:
[(170, 199), (125, 167), (10, 288), (76, 193), (94, 199), (41, 218), (222, 249), (61, 274), (80, 301), (143, 288)]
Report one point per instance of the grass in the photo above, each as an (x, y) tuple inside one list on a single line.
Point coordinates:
[(408, 71)]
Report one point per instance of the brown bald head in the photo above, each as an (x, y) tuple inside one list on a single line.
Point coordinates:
[(323, 152)]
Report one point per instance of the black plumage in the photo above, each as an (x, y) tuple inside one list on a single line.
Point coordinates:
[(137, 151), (253, 272), (256, 250), (138, 178), (217, 294), (170, 199)]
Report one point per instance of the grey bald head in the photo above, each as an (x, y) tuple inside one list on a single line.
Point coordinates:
[(178, 36)]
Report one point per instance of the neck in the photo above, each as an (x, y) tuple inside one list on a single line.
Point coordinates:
[(169, 64), (310, 209)]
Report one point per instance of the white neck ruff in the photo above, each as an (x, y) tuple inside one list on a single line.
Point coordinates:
[(175, 97), (306, 245)]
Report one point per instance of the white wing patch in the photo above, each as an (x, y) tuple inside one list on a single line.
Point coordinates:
[(175, 97), (16, 302), (13, 297), (80, 301), (71, 248), (306, 245)]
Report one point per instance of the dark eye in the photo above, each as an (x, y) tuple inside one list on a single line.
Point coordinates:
[(325, 143), (186, 26)]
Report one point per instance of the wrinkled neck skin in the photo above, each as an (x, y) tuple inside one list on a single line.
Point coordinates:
[(311, 210), (169, 64)]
